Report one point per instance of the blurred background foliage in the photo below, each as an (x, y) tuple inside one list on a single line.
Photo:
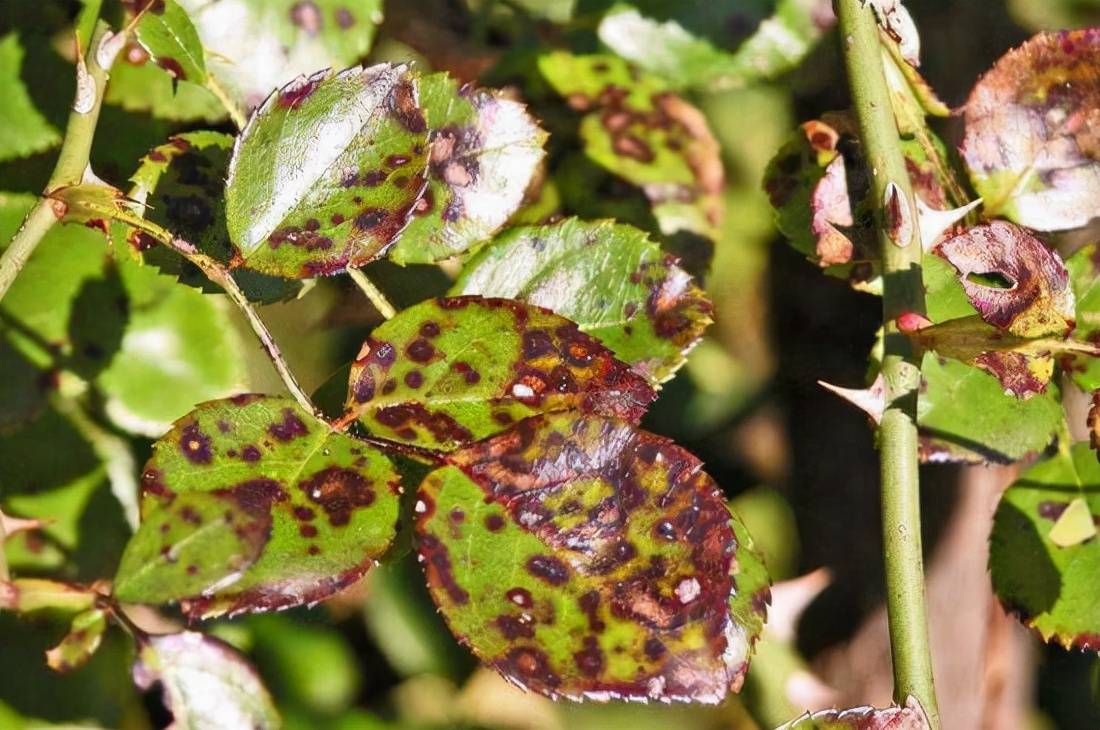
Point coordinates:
[(797, 463)]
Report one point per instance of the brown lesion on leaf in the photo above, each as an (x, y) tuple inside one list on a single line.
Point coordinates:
[(290, 428), (195, 445), (338, 492)]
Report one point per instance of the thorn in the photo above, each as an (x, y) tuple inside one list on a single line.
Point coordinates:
[(899, 216), (871, 401), (789, 601), (933, 223), (84, 101)]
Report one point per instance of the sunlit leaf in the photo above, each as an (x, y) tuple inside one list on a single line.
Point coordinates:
[(965, 415), (80, 643), (328, 172), (450, 371), (778, 44), (483, 154), (612, 280), (23, 129), (36, 594), (250, 504), (1032, 144), (910, 717), (205, 683), (256, 46), (1084, 275), (1015, 282), (166, 32), (1044, 554), (583, 558), (637, 128)]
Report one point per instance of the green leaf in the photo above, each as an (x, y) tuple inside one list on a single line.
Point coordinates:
[(256, 46), (647, 135), (166, 31), (139, 86), (448, 372), (967, 416), (1030, 144), (206, 683), (582, 558), (687, 60), (1038, 572), (615, 283), (328, 171), (483, 155), (174, 335), (910, 717), (944, 294), (35, 594), (23, 129), (80, 643), (1084, 274), (250, 504)]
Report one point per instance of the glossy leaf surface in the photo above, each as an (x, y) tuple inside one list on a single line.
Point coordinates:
[(965, 415), (910, 717), (450, 371), (1032, 141), (250, 504), (483, 155), (328, 171), (1044, 550), (612, 280), (583, 558), (205, 683), (166, 31)]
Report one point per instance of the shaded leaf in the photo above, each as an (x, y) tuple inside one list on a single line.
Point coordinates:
[(80, 643), (256, 46), (138, 85), (305, 511), (582, 558), (1014, 282), (1044, 554), (1084, 275), (910, 717), (328, 171), (450, 371), (777, 45), (1032, 142), (615, 283), (643, 132), (23, 129), (166, 32), (965, 415), (483, 155), (206, 683)]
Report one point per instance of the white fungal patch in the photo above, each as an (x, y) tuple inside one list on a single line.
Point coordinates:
[(520, 390), (688, 590)]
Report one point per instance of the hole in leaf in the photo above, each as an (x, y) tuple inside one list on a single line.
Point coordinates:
[(992, 279)]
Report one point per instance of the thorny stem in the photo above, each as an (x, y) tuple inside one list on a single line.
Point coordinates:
[(92, 73), (374, 294), (903, 291)]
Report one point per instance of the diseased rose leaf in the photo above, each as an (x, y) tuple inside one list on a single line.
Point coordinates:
[(447, 372), (327, 172), (1015, 282), (687, 60), (637, 128), (583, 558), (483, 154), (1084, 275), (256, 46), (35, 594), (1092, 422), (965, 415), (205, 683), (1032, 141), (80, 643), (611, 279), (1044, 554), (23, 129), (270, 506), (910, 717), (166, 32)]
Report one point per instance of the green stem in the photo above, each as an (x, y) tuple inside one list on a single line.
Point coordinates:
[(235, 114), (374, 294), (903, 291), (92, 73)]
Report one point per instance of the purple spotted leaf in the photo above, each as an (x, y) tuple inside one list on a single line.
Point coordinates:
[(167, 33), (610, 279), (1032, 142), (328, 172), (448, 372), (205, 682), (583, 558), (910, 717), (483, 154), (250, 504)]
